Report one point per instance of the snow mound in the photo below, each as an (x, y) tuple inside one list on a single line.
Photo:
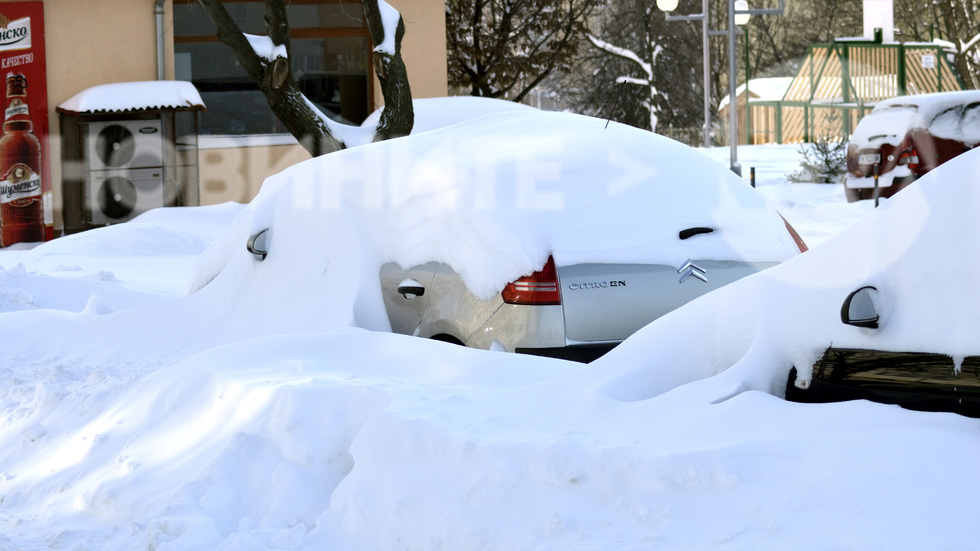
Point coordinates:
[(495, 196)]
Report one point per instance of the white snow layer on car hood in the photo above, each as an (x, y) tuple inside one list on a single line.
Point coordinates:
[(493, 197), (884, 127)]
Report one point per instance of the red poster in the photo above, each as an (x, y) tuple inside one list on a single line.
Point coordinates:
[(26, 209)]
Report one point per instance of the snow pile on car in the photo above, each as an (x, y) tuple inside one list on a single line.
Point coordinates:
[(493, 197), (889, 121)]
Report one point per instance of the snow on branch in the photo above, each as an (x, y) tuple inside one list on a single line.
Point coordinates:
[(969, 44), (387, 28), (389, 21), (264, 47), (624, 53), (632, 80), (647, 66)]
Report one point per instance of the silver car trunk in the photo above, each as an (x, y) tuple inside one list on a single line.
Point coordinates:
[(610, 302)]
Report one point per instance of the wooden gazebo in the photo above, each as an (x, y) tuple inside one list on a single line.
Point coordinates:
[(839, 83)]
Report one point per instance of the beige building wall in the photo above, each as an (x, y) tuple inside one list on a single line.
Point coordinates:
[(424, 47), (92, 42)]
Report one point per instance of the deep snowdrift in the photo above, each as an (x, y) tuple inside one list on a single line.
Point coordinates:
[(251, 415)]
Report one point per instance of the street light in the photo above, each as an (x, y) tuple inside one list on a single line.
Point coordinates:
[(741, 13), (738, 14), (668, 6), (734, 18)]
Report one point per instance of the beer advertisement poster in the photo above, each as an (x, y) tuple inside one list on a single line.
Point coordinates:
[(26, 209)]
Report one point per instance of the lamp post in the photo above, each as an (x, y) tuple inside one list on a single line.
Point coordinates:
[(738, 14), (735, 17), (668, 6)]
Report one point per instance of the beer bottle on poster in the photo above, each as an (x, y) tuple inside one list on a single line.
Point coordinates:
[(21, 212)]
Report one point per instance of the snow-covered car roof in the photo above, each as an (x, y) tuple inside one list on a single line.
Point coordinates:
[(929, 105), (889, 121), (494, 196)]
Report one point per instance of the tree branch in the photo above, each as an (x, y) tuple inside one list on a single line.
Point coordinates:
[(274, 76), (623, 53)]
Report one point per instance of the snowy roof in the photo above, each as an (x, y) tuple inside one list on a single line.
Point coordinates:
[(120, 97), (762, 89)]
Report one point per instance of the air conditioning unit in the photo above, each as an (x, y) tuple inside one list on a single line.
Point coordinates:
[(125, 144), (121, 195), (127, 148), (125, 176)]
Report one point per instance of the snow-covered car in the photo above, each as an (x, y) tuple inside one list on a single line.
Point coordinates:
[(541, 233), (906, 331), (919, 380), (906, 137)]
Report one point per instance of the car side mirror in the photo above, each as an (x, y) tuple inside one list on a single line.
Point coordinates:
[(859, 308), (258, 244), (411, 289)]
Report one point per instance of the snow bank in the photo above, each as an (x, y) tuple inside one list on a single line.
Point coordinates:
[(249, 415)]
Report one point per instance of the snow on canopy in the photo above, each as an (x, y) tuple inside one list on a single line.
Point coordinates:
[(493, 197), (135, 96)]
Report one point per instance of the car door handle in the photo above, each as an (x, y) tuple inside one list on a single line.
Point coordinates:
[(410, 289)]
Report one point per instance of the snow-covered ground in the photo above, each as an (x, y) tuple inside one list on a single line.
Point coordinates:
[(249, 416)]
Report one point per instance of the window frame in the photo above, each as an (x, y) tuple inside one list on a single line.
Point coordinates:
[(324, 33)]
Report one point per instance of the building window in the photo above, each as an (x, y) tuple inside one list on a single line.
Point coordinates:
[(330, 61)]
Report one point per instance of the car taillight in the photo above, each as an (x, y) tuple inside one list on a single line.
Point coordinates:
[(910, 159), (539, 288)]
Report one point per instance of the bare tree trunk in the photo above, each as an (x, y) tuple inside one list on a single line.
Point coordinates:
[(398, 117), (274, 77)]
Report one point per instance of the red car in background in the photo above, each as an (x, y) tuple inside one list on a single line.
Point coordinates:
[(906, 137)]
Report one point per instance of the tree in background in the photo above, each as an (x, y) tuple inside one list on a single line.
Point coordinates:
[(267, 62), (777, 45), (504, 48), (644, 62), (636, 69), (954, 21)]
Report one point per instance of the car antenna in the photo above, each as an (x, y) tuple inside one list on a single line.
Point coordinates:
[(615, 103)]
